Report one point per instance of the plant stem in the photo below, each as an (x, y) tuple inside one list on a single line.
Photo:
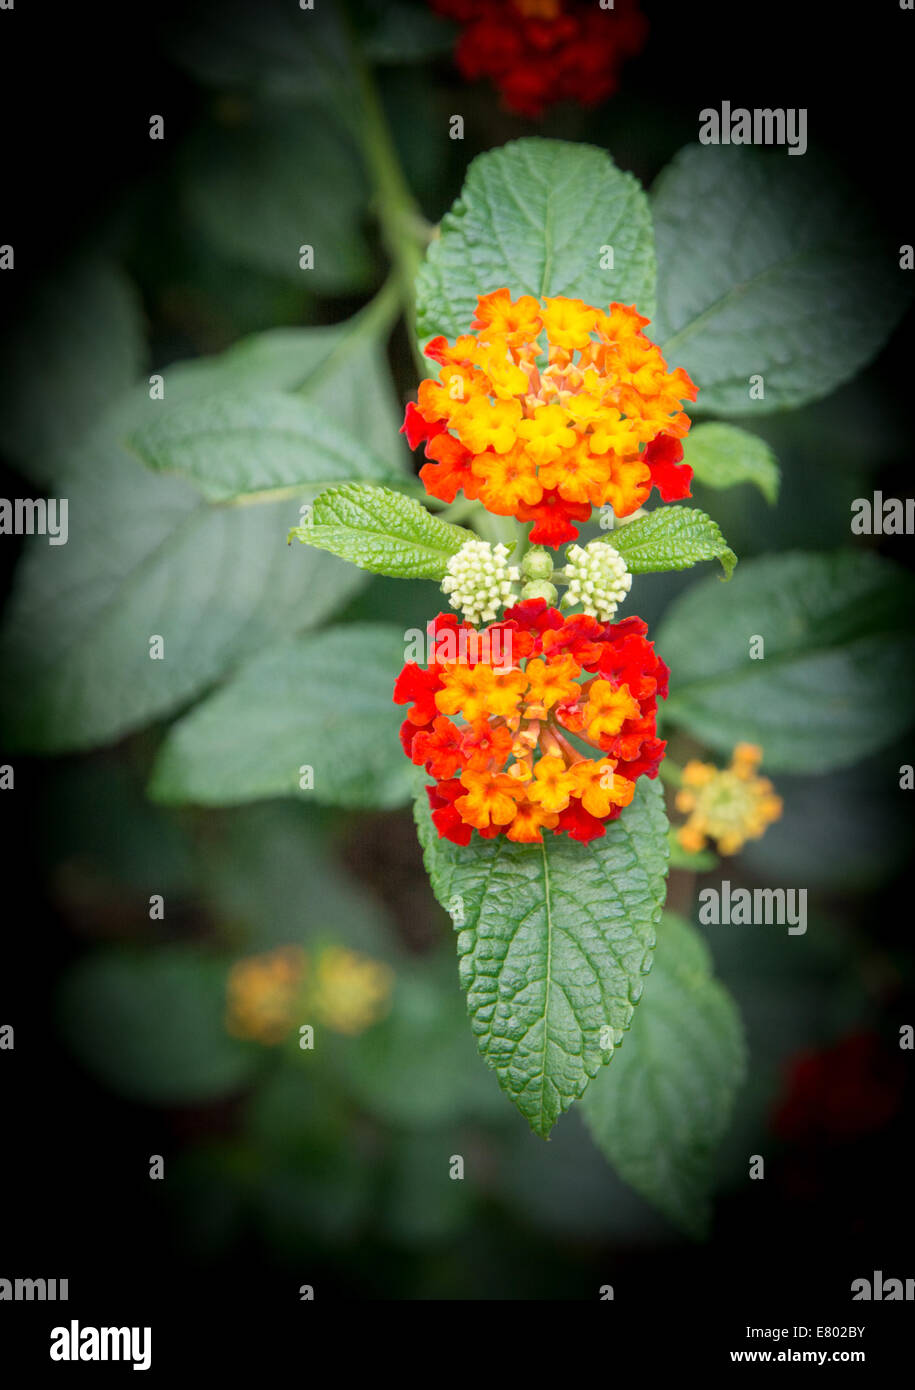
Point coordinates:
[(404, 230)]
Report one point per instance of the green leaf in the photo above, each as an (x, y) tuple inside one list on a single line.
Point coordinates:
[(400, 33), (254, 190), (535, 216), (722, 456), (659, 1113), (768, 266), (80, 345), (278, 51), (554, 942), (151, 1025), (672, 538), (323, 700), (381, 531), (340, 370), (834, 683), (253, 447), (147, 556)]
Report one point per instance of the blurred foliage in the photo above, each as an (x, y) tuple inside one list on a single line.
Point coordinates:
[(346, 1149)]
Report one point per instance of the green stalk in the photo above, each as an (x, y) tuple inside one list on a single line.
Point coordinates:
[(404, 231)]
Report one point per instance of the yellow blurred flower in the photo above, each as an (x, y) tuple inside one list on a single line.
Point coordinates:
[(263, 992), (269, 995), (728, 805), (348, 991)]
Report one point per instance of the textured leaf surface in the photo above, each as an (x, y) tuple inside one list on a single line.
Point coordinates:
[(722, 456), (834, 683), (324, 700), (660, 1111), (534, 216), (760, 257), (672, 538), (251, 446), (151, 1024), (553, 947), (382, 531)]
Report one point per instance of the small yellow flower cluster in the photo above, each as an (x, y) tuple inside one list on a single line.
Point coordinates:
[(263, 992), (728, 805), (270, 994), (350, 991)]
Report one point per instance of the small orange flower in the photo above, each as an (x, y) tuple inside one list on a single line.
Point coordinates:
[(529, 822), (608, 709), (465, 690), (506, 483), (491, 797), (516, 322), (600, 787), (483, 424), (552, 785), (552, 682)]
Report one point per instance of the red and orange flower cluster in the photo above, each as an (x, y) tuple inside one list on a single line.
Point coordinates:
[(547, 410), (537, 52), (551, 738)]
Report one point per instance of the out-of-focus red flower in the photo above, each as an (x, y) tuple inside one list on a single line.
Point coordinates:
[(537, 52), (837, 1093)]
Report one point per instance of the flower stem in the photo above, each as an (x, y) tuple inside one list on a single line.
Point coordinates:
[(404, 230)]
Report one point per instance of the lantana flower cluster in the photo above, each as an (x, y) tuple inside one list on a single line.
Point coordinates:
[(537, 52), (267, 995), (544, 411), (539, 722), (726, 805)]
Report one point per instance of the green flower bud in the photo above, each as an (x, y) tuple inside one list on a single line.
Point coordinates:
[(541, 588), (537, 564)]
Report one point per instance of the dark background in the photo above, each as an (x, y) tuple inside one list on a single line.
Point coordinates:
[(77, 86)]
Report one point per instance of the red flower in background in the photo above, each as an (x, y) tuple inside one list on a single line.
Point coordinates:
[(839, 1092), (537, 52)]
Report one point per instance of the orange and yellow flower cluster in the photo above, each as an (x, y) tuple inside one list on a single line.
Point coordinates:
[(552, 738), (544, 411), (267, 995), (726, 805)]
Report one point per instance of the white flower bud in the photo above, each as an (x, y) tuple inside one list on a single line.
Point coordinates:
[(597, 579), (479, 582)]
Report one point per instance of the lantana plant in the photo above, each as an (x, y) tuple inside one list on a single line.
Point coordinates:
[(550, 403), (535, 716), (569, 336)]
